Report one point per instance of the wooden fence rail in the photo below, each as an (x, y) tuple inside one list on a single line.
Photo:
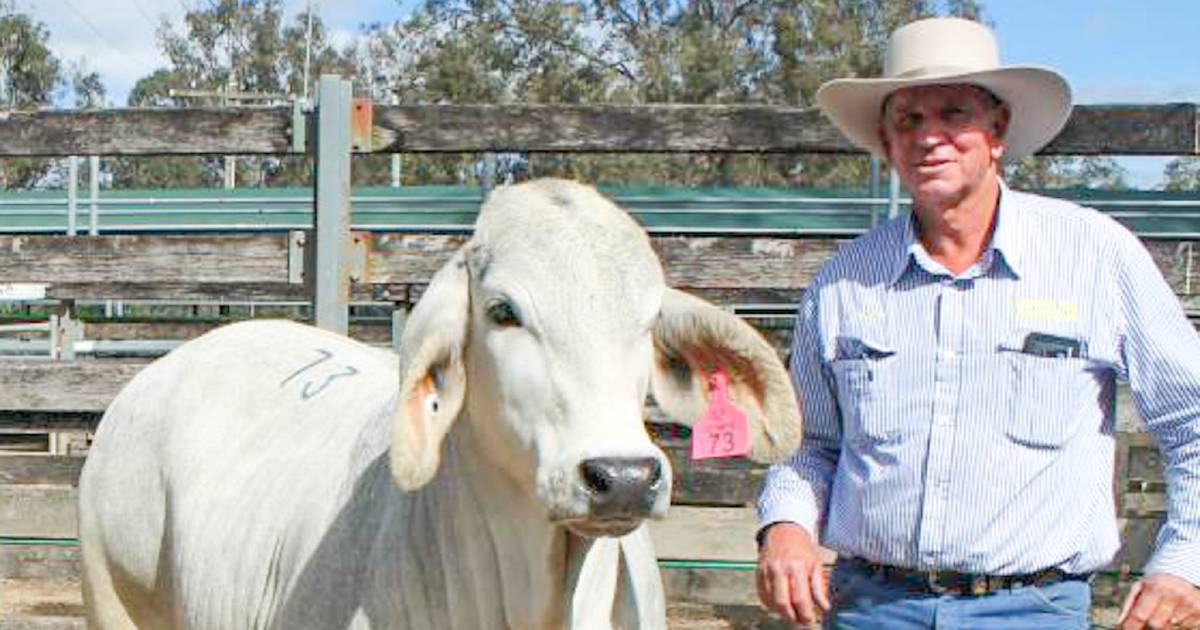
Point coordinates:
[(1092, 129), (727, 269)]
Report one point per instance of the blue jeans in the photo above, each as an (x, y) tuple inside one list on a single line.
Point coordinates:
[(863, 599)]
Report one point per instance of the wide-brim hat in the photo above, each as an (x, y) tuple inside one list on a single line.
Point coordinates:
[(951, 51)]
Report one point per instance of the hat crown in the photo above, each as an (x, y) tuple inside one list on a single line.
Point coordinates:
[(941, 51), (940, 46)]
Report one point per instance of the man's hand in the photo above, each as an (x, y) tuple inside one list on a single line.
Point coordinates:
[(790, 578), (1160, 600)]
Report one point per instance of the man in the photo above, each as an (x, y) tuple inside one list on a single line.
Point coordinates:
[(957, 375)]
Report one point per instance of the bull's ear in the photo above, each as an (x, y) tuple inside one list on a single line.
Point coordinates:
[(433, 381), (692, 339)]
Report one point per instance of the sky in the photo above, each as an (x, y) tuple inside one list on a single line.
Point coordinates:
[(1111, 51)]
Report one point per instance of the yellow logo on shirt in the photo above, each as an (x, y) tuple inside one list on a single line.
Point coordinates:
[(870, 314), (1047, 309)]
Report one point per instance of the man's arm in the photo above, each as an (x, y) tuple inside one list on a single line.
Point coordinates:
[(798, 490), (796, 493), (1160, 356)]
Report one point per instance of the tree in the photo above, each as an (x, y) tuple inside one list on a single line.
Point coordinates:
[(465, 51), (766, 51), (230, 46), (29, 72), (1047, 172), (306, 44), (154, 89), (1183, 174), (243, 45), (29, 76)]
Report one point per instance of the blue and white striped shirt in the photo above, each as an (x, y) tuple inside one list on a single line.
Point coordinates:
[(932, 441)]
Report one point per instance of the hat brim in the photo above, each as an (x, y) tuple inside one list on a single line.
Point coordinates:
[(1039, 99)]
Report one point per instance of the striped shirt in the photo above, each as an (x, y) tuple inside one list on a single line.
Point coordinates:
[(937, 433)]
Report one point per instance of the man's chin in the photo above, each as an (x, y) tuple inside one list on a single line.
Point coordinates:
[(937, 193)]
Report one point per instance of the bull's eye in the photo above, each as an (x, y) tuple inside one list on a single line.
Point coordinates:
[(501, 313)]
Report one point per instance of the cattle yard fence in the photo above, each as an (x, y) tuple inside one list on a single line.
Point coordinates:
[(705, 546)]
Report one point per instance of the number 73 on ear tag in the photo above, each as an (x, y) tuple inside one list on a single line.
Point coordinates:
[(721, 431)]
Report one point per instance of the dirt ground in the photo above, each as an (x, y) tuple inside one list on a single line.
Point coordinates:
[(62, 599), (40, 598)]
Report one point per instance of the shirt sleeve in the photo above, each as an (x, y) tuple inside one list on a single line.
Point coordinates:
[(1160, 355), (797, 490)]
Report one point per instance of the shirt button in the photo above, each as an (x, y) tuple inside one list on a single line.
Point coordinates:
[(948, 355), (941, 421)]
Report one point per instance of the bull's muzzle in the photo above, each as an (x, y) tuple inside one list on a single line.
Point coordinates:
[(622, 487)]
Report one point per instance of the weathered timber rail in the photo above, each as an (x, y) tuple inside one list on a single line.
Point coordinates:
[(1169, 129), (395, 266)]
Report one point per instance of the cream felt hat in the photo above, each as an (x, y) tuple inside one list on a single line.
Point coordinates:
[(946, 51)]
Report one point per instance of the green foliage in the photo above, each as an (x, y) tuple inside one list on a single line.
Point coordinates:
[(318, 54), (232, 46), (88, 88), (1183, 174), (646, 51), (1046, 172), (774, 52), (153, 90), (29, 71), (244, 46), (165, 171), (29, 76)]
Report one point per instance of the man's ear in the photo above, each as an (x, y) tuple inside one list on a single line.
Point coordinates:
[(433, 381), (883, 141), (692, 339), (1001, 120)]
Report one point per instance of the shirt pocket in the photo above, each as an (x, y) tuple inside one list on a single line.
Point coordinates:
[(862, 379), (1047, 399)]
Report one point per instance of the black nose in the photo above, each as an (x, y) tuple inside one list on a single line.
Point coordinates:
[(622, 486)]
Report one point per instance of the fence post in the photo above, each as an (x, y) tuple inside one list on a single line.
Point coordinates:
[(873, 189), (893, 194), (395, 156), (72, 194), (332, 274), (94, 183)]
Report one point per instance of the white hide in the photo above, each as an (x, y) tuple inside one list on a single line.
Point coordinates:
[(272, 475)]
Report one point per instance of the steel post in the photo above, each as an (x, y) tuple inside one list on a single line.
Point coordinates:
[(332, 274), (893, 194), (873, 188), (94, 183), (72, 194)]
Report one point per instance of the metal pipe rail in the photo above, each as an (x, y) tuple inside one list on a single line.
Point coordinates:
[(91, 347), (669, 213)]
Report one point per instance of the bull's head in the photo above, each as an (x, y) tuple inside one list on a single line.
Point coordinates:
[(547, 328)]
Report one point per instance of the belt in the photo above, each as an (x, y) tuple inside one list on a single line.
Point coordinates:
[(955, 583)]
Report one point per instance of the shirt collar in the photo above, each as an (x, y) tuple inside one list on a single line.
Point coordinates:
[(1006, 240), (904, 253)]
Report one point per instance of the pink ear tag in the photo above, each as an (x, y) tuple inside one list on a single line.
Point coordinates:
[(721, 431)]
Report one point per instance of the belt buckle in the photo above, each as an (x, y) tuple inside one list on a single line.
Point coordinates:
[(980, 585), (933, 579), (962, 584)]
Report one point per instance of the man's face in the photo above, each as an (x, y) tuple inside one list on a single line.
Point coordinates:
[(945, 141)]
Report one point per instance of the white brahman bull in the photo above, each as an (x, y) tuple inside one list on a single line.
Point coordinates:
[(273, 475)]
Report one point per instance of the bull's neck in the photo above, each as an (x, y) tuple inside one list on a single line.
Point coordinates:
[(485, 547)]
